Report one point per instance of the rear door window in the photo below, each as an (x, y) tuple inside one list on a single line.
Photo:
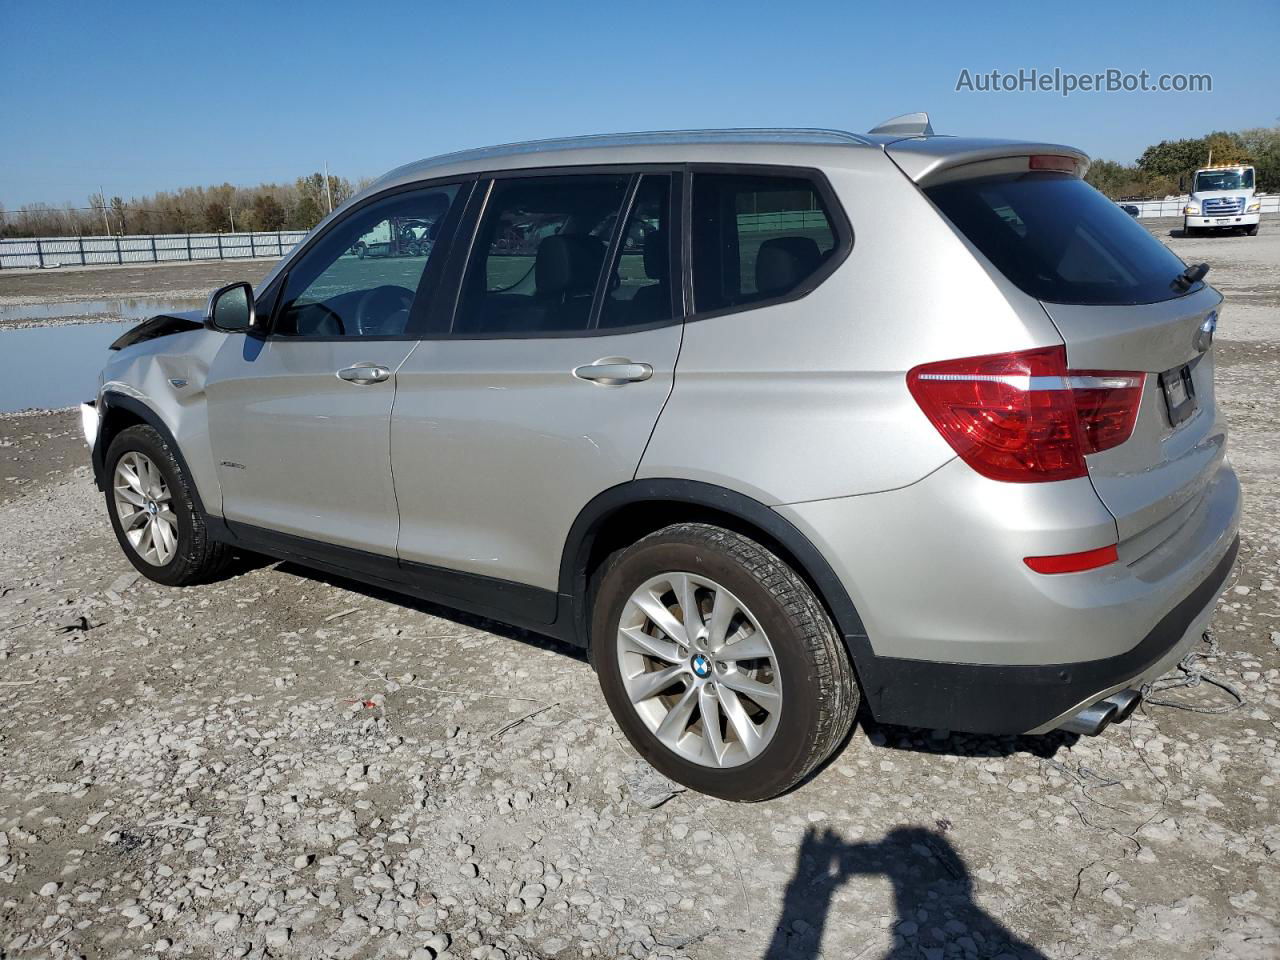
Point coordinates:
[(639, 289), (538, 255), (1059, 240), (756, 237)]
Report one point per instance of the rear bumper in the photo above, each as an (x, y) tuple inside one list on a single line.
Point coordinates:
[(989, 698), (961, 635)]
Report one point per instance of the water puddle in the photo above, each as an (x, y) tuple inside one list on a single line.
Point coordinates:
[(141, 308), (43, 367)]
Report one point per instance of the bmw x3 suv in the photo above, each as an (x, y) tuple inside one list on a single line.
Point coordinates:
[(774, 423)]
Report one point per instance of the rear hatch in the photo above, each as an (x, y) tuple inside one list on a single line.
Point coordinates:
[(1108, 286)]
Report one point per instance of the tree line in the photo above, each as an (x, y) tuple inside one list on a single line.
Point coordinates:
[(1165, 168), (222, 209)]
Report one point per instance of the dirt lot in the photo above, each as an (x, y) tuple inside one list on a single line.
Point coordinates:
[(285, 765), (153, 280)]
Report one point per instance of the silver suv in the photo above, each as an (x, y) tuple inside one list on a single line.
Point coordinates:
[(772, 422)]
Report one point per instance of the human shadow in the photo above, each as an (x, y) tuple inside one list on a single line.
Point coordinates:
[(932, 894)]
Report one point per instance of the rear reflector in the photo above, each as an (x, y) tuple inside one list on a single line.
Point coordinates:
[(1024, 417), (1074, 562), (1049, 161)]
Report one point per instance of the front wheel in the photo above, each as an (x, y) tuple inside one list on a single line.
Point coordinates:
[(719, 663), (154, 514), (1251, 230)]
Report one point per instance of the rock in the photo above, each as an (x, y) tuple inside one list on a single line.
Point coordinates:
[(277, 936), (123, 582), (49, 889), (437, 943), (227, 924)]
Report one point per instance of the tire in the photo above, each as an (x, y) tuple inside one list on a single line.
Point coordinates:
[(812, 695), (1251, 230), (191, 556), (1191, 231)]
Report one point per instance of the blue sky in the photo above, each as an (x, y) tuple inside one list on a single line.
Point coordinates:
[(137, 97)]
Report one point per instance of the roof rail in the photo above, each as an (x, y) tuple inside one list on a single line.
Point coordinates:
[(907, 125)]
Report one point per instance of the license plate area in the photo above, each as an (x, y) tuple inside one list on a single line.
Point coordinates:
[(1179, 393)]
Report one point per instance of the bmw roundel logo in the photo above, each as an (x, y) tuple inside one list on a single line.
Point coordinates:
[(701, 665), (1204, 332)]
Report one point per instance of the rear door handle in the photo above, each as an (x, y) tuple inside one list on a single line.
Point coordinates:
[(364, 373), (613, 371)]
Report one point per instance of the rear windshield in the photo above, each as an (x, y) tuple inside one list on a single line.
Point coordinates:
[(1060, 240)]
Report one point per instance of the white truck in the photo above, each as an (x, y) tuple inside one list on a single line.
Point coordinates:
[(1222, 198)]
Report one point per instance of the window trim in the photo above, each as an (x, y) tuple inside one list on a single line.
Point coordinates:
[(841, 228), (675, 305), (469, 229), (419, 311)]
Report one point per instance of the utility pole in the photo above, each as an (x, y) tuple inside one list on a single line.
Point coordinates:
[(327, 193), (232, 211), (102, 198)]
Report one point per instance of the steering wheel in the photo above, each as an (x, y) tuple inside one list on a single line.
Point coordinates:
[(378, 310)]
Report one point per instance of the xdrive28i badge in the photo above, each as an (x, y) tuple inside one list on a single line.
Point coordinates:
[(1204, 332)]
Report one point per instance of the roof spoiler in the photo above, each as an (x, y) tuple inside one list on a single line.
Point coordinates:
[(907, 125)]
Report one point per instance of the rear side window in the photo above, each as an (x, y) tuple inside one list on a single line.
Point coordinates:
[(756, 238), (1059, 240), (538, 255)]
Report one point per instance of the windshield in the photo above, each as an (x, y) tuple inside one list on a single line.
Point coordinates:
[(1224, 180), (1060, 240)]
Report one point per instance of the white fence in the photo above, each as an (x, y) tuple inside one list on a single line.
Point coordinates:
[(1172, 207), (157, 248)]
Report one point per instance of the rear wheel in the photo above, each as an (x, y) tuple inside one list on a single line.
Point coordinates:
[(719, 663), (154, 514)]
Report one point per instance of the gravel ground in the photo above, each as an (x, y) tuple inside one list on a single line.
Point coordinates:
[(282, 764)]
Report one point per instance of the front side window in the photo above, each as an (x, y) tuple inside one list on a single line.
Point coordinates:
[(538, 255), (755, 237), (361, 278)]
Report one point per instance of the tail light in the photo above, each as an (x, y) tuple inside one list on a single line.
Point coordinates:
[(1024, 417)]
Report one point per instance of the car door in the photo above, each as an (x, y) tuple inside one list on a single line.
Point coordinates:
[(545, 390), (299, 417)]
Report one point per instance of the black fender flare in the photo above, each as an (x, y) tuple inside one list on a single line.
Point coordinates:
[(573, 586), (112, 399)]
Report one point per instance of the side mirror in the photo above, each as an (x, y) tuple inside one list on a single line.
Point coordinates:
[(230, 309)]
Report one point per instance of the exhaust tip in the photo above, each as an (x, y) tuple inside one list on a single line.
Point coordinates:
[(1126, 702), (1093, 719)]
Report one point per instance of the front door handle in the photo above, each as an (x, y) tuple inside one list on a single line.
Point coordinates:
[(613, 371), (364, 373)]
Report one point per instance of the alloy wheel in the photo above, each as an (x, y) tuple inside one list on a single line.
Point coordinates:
[(699, 670), (145, 508)]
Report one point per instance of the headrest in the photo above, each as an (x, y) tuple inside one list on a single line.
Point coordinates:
[(783, 262), (657, 263), (567, 265)]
